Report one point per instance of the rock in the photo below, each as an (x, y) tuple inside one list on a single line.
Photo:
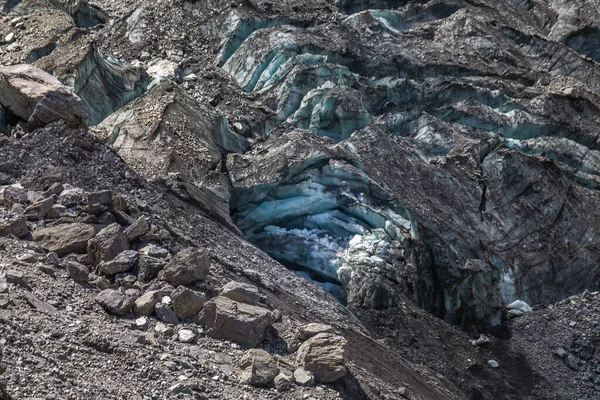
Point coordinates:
[(107, 244), (17, 277), (78, 272), (40, 305), (257, 368), (141, 322), (163, 68), (325, 356), (303, 377), (283, 381), (123, 262), (13, 195), (99, 202), (242, 292), (187, 267), (64, 239), (10, 37), (187, 303), (163, 329), (186, 336), (149, 267), (571, 362), (493, 363), (224, 318), (145, 304), (38, 97), (152, 250), (145, 56), (139, 228), (309, 330), (560, 352), (482, 340), (166, 314), (12, 224), (52, 258), (39, 209), (115, 302), (56, 211), (519, 305), (515, 313)]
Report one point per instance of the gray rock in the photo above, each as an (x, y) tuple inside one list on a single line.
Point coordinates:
[(78, 272), (493, 363), (571, 362), (187, 303), (107, 244), (283, 381), (152, 250), (325, 356), (186, 336), (303, 377), (39, 209), (309, 330), (123, 262), (242, 292), (139, 228), (481, 341), (100, 201), (149, 267), (12, 224), (165, 313), (56, 211), (17, 278), (224, 318), (115, 302), (519, 305), (64, 239), (560, 352), (187, 267), (257, 368), (145, 304)]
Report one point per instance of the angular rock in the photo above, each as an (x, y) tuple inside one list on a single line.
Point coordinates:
[(242, 292), (186, 336), (12, 224), (187, 267), (78, 272), (152, 250), (309, 330), (325, 356), (145, 304), (115, 302), (123, 262), (139, 228), (165, 313), (107, 244), (64, 239), (283, 381), (17, 277), (149, 267), (520, 306), (187, 303), (56, 211), (39, 209), (303, 377), (257, 368), (38, 97), (224, 318)]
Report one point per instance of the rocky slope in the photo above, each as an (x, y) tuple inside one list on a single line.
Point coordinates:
[(183, 183)]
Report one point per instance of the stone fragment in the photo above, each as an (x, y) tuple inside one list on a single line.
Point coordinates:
[(12, 224), (186, 336), (303, 377), (166, 314), (66, 238), (17, 277), (224, 318), (56, 211), (187, 303), (107, 244), (123, 262), (560, 352), (139, 228), (519, 305), (115, 302), (40, 305), (145, 304), (571, 362), (482, 340), (283, 381), (187, 267), (257, 368), (242, 292), (39, 209), (149, 267), (309, 330), (493, 363), (78, 272), (325, 356)]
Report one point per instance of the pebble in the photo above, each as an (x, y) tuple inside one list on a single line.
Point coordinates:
[(186, 336), (493, 363)]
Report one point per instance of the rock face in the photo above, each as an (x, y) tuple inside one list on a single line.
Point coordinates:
[(39, 98), (325, 356), (72, 238), (224, 318), (257, 368)]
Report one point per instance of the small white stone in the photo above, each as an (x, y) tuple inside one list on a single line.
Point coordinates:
[(186, 336), (493, 363), (9, 38)]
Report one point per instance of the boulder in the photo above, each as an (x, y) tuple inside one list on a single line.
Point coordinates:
[(242, 292), (39, 209), (224, 318), (115, 302), (107, 244), (12, 224), (39, 98), (303, 377), (145, 304), (165, 313), (309, 330), (187, 303), (64, 239), (78, 272), (187, 267), (123, 262), (149, 267), (139, 228), (257, 368), (283, 381), (325, 356)]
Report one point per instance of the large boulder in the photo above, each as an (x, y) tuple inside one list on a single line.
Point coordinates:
[(187, 267), (64, 239), (39, 98), (257, 368), (109, 243), (224, 318), (325, 356)]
